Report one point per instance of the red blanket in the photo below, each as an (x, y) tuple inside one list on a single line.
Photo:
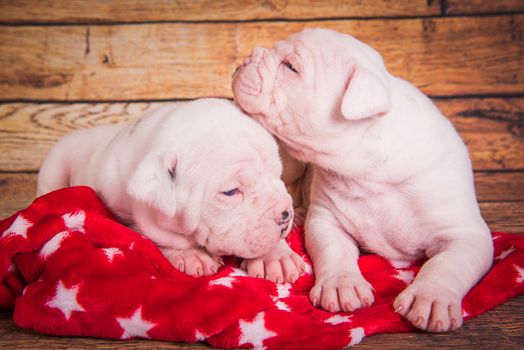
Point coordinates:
[(68, 268)]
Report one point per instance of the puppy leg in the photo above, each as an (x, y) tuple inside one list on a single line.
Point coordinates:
[(433, 301), (339, 284), (193, 261), (281, 264)]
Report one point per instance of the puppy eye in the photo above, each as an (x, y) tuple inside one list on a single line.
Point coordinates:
[(231, 192), (290, 66)]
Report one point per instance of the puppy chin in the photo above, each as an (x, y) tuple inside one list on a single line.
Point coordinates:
[(247, 251), (257, 249), (251, 248), (248, 255)]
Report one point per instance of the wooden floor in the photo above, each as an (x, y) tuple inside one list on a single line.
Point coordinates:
[(72, 64)]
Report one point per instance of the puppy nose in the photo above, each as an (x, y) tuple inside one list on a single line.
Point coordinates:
[(284, 219)]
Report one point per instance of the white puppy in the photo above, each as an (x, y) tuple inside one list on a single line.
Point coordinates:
[(200, 179), (391, 174)]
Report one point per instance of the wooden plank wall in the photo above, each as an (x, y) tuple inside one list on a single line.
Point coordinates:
[(72, 64)]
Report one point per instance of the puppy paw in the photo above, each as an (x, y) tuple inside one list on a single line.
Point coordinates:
[(280, 265), (194, 261), (343, 292), (430, 308)]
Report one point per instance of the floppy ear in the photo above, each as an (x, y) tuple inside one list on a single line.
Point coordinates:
[(153, 182), (367, 95)]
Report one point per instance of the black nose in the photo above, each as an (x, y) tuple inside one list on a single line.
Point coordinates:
[(285, 215)]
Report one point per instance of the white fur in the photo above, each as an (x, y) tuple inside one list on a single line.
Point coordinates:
[(166, 173), (391, 175)]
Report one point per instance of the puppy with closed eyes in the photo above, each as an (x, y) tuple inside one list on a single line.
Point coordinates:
[(391, 174), (200, 179)]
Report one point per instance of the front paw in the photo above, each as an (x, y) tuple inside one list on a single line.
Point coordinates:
[(280, 265), (193, 261), (431, 308), (341, 292)]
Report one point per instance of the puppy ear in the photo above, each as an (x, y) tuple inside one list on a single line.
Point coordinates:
[(367, 95), (153, 183)]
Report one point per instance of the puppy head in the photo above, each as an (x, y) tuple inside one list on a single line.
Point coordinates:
[(314, 84), (218, 178)]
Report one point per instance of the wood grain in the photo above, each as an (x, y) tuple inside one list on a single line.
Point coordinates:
[(133, 50), (129, 11), (28, 131), (497, 186), (504, 211), (133, 11), (17, 191), (460, 7), (504, 216), (493, 129), (442, 56)]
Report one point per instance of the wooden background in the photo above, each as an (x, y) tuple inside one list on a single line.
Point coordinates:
[(72, 64)]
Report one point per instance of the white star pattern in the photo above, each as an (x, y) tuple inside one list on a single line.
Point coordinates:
[(357, 334), (65, 300), (111, 253), (282, 292), (406, 275), (255, 332), (19, 227), (75, 221), (238, 273), (308, 269), (282, 306), (53, 244), (222, 281), (520, 272), (400, 264), (199, 336), (505, 253), (228, 280), (135, 326), (338, 319)]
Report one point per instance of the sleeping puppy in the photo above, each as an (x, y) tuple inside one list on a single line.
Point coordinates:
[(199, 179), (391, 175)]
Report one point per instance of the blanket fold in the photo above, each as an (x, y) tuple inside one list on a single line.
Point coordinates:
[(69, 268)]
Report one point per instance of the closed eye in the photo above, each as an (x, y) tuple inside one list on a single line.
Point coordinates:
[(290, 66), (231, 192)]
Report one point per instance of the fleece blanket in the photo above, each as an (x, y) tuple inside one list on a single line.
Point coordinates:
[(69, 268)]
